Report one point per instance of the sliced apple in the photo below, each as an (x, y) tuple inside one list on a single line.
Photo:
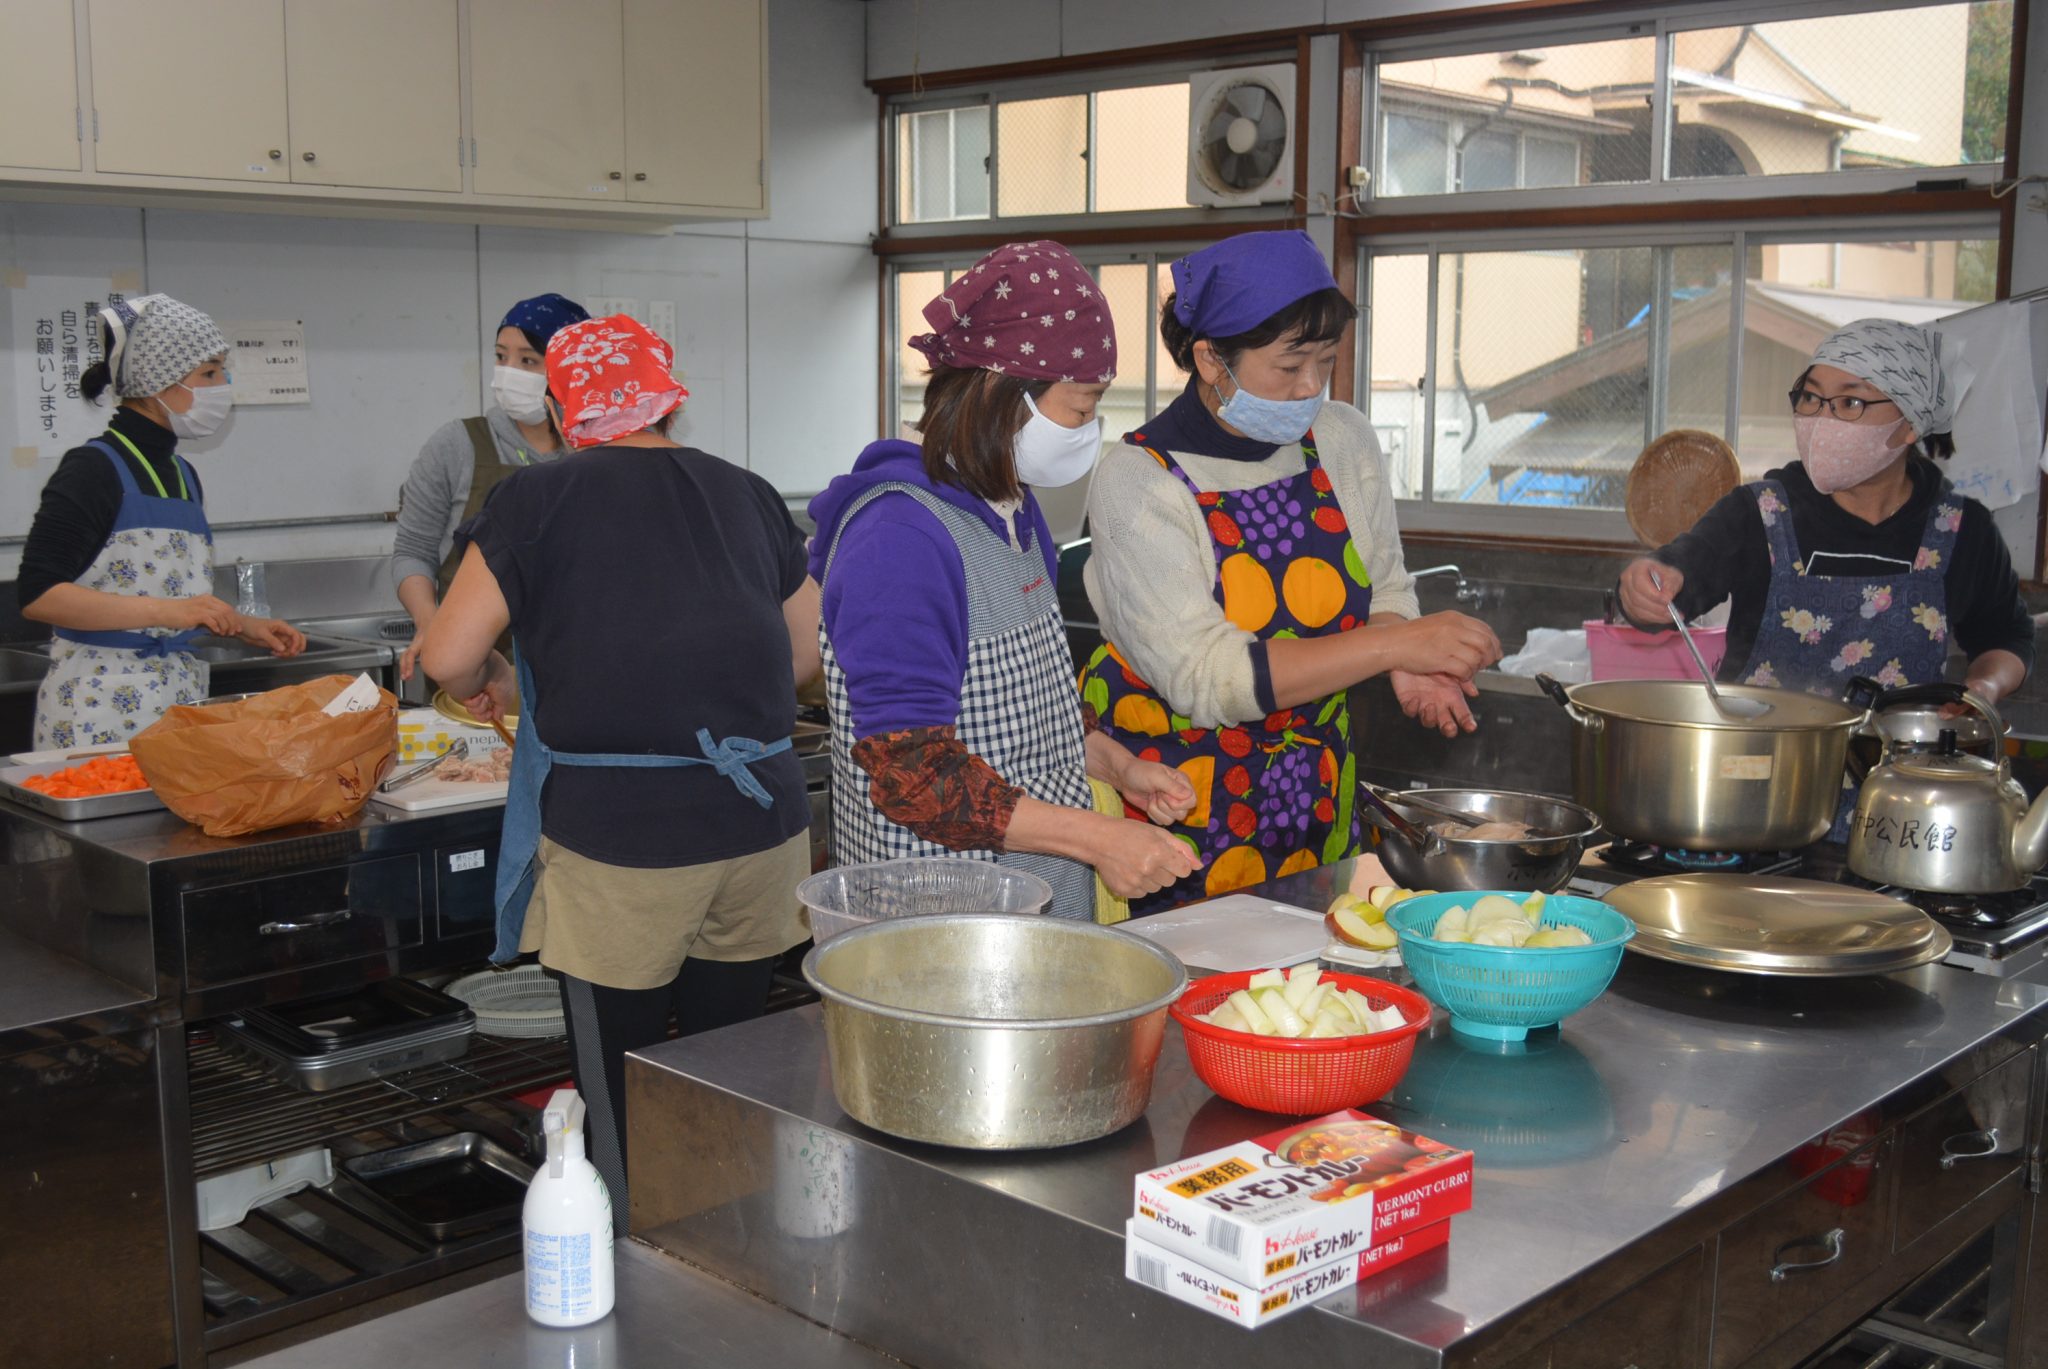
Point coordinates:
[(1351, 928)]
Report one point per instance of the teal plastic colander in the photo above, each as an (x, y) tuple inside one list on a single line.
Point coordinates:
[(1503, 993)]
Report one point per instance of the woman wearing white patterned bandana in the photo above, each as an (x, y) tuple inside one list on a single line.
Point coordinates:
[(119, 559), (1861, 559)]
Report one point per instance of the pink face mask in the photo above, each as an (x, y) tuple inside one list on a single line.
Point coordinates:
[(1839, 456)]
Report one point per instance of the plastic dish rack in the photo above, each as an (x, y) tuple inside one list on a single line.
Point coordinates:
[(1505, 992)]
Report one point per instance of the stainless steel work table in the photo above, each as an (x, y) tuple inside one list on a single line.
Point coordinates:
[(1660, 1115), (668, 1316)]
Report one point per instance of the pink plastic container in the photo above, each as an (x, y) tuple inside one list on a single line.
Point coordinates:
[(1621, 652)]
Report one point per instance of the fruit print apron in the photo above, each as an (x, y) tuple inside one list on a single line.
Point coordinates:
[(1818, 632), (104, 687), (1273, 795)]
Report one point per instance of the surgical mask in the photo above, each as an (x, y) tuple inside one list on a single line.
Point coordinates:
[(210, 405), (1840, 456), (520, 393), (1050, 455), (1279, 421)]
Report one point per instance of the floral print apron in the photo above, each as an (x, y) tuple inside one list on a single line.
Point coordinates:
[(1818, 632), (105, 687), (1274, 795)]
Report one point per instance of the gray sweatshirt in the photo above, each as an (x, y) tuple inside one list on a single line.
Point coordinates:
[(438, 487)]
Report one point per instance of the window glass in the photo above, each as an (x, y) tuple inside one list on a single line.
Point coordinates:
[(1588, 103), (1799, 292), (1140, 152), (1042, 151), (1906, 87), (1396, 359), (914, 290), (942, 161)]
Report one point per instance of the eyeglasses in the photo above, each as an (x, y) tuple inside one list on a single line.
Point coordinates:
[(1847, 408)]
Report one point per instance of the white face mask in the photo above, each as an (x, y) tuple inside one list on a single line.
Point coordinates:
[(1050, 455), (210, 405), (520, 393)]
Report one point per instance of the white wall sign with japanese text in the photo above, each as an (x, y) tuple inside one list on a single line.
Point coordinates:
[(268, 362), (55, 338)]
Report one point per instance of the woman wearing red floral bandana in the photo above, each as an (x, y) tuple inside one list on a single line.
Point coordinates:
[(956, 727), (654, 834)]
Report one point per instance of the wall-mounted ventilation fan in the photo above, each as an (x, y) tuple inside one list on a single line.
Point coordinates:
[(1241, 136)]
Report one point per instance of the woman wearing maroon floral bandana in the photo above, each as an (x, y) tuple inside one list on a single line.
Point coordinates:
[(654, 834), (956, 726)]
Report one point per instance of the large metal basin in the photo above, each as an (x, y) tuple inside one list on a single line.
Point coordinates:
[(993, 1031)]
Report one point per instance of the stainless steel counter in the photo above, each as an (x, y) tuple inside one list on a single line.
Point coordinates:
[(39, 986), (668, 1314), (1651, 1121)]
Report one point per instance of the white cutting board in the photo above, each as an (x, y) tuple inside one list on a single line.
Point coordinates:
[(430, 793), (1235, 932), (67, 753)]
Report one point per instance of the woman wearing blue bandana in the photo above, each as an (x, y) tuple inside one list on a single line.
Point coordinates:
[(466, 458), (1860, 558), (1247, 572), (119, 559)]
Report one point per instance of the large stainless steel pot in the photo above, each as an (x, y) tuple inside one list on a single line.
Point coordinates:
[(1542, 863), (1660, 764), (993, 1031)]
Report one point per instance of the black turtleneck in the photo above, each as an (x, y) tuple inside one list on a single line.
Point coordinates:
[(79, 503), (1188, 426)]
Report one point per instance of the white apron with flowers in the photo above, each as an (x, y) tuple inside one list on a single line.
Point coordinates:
[(104, 687)]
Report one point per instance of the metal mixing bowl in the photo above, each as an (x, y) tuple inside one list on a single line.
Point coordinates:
[(993, 1031), (1543, 864)]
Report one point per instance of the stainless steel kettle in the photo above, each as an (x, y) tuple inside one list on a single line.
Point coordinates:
[(1943, 821)]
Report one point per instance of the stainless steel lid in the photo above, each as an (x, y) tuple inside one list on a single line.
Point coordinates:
[(1770, 924), (1924, 726), (1685, 703)]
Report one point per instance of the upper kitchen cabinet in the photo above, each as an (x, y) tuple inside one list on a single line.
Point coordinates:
[(194, 88), (375, 93), (696, 107), (545, 101), (628, 114), (39, 116)]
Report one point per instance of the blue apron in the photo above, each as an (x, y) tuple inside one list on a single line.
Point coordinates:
[(139, 511), (519, 843)]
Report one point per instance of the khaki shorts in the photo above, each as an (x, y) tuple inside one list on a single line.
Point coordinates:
[(626, 927)]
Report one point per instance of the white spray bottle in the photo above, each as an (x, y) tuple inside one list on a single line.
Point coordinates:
[(568, 1221)]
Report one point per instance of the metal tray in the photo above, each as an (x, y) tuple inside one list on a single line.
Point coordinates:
[(445, 1189), (355, 1020), (1775, 925), (72, 810), (318, 1075)]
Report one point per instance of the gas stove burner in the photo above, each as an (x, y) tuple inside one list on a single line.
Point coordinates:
[(1976, 910), (1642, 856)]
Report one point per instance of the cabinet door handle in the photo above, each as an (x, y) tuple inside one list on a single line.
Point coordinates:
[(615, 175), (1785, 1269), (309, 156), (1969, 1145), (328, 919), (639, 175), (277, 154)]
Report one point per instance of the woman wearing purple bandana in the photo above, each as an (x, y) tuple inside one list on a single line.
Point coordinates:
[(465, 459), (1247, 572), (1860, 558), (956, 729)]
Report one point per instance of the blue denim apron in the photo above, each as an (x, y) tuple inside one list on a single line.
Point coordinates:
[(1820, 631), (519, 842)]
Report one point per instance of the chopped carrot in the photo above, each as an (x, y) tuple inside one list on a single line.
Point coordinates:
[(99, 776)]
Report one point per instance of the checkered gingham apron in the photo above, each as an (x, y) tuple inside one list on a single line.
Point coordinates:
[(1019, 710)]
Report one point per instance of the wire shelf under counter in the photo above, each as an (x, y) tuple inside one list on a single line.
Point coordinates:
[(241, 1116)]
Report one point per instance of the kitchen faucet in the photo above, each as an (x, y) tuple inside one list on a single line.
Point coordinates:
[(1466, 592)]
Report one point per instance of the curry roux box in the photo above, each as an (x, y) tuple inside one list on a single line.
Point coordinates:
[(1303, 1195), (1177, 1276)]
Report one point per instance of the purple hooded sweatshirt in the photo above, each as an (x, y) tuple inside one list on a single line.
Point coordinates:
[(895, 603)]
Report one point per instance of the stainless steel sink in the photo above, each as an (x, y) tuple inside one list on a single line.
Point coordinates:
[(227, 655)]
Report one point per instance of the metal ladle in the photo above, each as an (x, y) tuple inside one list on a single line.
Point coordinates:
[(1731, 706)]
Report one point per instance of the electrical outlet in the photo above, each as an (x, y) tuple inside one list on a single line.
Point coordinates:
[(1357, 177)]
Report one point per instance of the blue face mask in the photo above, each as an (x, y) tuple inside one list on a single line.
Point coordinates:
[(1279, 421)]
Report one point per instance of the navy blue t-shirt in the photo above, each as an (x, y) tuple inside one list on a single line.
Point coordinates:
[(646, 588)]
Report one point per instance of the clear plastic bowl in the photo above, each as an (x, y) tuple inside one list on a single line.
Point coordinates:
[(849, 896)]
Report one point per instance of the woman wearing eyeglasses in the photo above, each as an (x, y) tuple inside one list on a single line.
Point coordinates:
[(1861, 558)]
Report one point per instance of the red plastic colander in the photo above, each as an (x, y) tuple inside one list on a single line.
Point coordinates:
[(1299, 1078)]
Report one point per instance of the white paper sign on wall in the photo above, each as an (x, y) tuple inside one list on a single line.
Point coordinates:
[(268, 362), (55, 338)]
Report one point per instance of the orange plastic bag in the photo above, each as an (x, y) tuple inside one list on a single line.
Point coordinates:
[(269, 761)]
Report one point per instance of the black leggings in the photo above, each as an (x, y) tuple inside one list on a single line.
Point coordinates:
[(605, 1023)]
